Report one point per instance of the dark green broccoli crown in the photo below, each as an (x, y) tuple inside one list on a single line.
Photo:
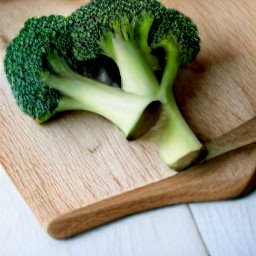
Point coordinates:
[(24, 63), (90, 24), (178, 30), (93, 21)]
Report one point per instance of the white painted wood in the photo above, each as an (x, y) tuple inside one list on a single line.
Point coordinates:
[(166, 231), (228, 228)]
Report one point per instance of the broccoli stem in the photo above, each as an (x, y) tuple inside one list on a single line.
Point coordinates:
[(136, 74), (67, 103), (170, 72), (178, 145), (133, 114), (142, 42)]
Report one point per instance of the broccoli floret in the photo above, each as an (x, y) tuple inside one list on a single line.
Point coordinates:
[(119, 30), (179, 38), (130, 32), (44, 84), (24, 62)]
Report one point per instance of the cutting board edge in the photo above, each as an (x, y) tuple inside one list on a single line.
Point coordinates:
[(107, 210)]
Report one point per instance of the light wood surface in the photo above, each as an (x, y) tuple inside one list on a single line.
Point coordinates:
[(228, 176), (243, 135), (81, 159)]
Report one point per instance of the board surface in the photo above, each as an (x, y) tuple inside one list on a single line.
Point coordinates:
[(79, 158)]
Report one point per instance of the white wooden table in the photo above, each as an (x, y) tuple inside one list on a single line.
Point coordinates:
[(219, 228)]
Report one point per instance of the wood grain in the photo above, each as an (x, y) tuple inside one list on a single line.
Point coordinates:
[(241, 136), (80, 159), (228, 176)]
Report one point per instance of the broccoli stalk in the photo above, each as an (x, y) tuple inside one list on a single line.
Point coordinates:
[(130, 39), (128, 32), (136, 73), (133, 114), (177, 144)]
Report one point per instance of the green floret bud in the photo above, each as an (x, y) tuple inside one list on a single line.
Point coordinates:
[(24, 62), (177, 31), (89, 22)]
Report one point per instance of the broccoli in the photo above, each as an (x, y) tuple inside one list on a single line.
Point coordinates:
[(117, 29), (51, 68), (179, 38), (132, 33), (44, 84)]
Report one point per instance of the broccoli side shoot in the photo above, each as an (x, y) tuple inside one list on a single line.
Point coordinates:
[(178, 36), (44, 84)]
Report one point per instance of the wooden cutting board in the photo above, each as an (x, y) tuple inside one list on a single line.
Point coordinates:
[(79, 159)]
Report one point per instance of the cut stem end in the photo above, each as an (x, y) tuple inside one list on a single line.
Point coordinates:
[(186, 159), (146, 121)]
